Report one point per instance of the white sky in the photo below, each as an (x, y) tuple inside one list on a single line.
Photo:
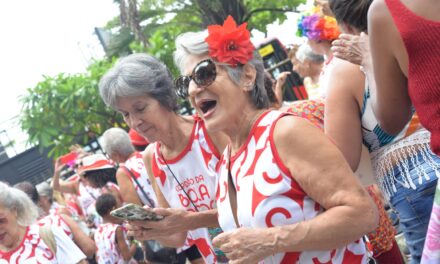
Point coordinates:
[(47, 37)]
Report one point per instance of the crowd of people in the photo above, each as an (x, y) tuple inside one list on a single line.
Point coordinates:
[(250, 178)]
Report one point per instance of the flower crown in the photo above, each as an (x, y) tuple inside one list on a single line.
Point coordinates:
[(230, 44), (314, 25)]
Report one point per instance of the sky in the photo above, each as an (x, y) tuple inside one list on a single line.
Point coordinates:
[(47, 37)]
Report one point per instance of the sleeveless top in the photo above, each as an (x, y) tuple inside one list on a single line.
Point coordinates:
[(56, 220), (107, 248), (33, 250), (268, 195), (389, 152), (420, 37), (194, 169), (137, 167)]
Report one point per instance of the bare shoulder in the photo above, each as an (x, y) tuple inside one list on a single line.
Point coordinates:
[(147, 155), (378, 12)]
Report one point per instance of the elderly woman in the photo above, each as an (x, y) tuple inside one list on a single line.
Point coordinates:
[(405, 167), (182, 160), (132, 178), (21, 241), (309, 66), (279, 200)]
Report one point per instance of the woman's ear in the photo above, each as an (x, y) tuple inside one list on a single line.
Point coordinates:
[(248, 77)]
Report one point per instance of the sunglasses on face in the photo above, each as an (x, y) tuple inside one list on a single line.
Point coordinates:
[(203, 74)]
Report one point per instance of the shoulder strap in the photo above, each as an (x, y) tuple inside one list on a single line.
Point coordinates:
[(49, 239), (151, 202)]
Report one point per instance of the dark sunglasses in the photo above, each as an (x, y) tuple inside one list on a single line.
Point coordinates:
[(203, 74)]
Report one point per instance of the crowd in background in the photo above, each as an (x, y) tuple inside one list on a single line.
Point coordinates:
[(347, 176)]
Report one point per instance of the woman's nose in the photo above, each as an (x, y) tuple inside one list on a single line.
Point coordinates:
[(194, 89)]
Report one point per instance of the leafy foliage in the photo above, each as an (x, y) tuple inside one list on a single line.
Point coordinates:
[(66, 109)]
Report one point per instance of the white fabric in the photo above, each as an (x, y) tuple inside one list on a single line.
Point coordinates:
[(108, 251), (194, 168), (136, 165)]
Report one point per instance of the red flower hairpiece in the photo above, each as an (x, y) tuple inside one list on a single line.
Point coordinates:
[(230, 44)]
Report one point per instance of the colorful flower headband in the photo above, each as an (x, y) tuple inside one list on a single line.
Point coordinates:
[(230, 44), (316, 26)]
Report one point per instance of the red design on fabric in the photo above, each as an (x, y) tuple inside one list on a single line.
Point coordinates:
[(222, 199), (276, 211), (206, 155), (202, 246), (157, 172), (270, 180), (350, 257), (296, 196), (257, 198), (290, 257)]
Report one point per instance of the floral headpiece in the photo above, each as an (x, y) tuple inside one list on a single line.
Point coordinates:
[(315, 25), (230, 44)]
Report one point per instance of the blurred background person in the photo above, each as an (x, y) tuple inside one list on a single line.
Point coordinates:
[(23, 240), (138, 141), (309, 67), (61, 221), (111, 236)]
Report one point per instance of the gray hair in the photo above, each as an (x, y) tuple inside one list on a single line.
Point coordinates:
[(15, 199), (117, 140), (139, 75), (305, 52), (193, 43)]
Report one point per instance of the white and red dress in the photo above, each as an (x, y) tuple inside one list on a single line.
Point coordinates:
[(54, 219), (136, 166), (268, 195), (194, 169), (108, 251), (33, 250)]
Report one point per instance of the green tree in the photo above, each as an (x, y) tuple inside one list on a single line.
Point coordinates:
[(67, 109)]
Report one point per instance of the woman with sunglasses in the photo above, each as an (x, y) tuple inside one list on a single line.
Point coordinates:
[(182, 160), (285, 193)]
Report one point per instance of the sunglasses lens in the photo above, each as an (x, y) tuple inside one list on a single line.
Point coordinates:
[(204, 73), (182, 84)]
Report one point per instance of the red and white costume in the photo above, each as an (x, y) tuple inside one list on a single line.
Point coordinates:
[(194, 168), (137, 167), (268, 195), (33, 250), (108, 251), (55, 219)]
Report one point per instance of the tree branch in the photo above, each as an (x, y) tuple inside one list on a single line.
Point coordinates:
[(263, 9)]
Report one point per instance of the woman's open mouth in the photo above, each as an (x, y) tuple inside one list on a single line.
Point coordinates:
[(207, 107)]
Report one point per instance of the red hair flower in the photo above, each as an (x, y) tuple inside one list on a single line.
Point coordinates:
[(230, 44)]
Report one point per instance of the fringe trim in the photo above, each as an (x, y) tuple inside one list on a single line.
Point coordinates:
[(402, 154)]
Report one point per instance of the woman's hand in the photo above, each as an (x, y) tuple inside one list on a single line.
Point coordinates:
[(246, 245), (174, 221), (353, 48)]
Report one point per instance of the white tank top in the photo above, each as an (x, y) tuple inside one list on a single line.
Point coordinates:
[(136, 165), (268, 195), (55, 220), (194, 169)]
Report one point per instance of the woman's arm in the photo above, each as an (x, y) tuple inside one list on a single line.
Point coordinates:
[(127, 251), (342, 110), (386, 77), (328, 180), (83, 241), (61, 186), (322, 172), (126, 188)]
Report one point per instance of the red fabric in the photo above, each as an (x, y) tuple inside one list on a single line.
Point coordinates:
[(392, 256), (137, 139), (420, 37)]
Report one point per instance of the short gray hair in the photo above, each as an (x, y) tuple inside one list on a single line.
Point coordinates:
[(193, 43), (139, 75), (116, 140), (305, 52), (15, 199)]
